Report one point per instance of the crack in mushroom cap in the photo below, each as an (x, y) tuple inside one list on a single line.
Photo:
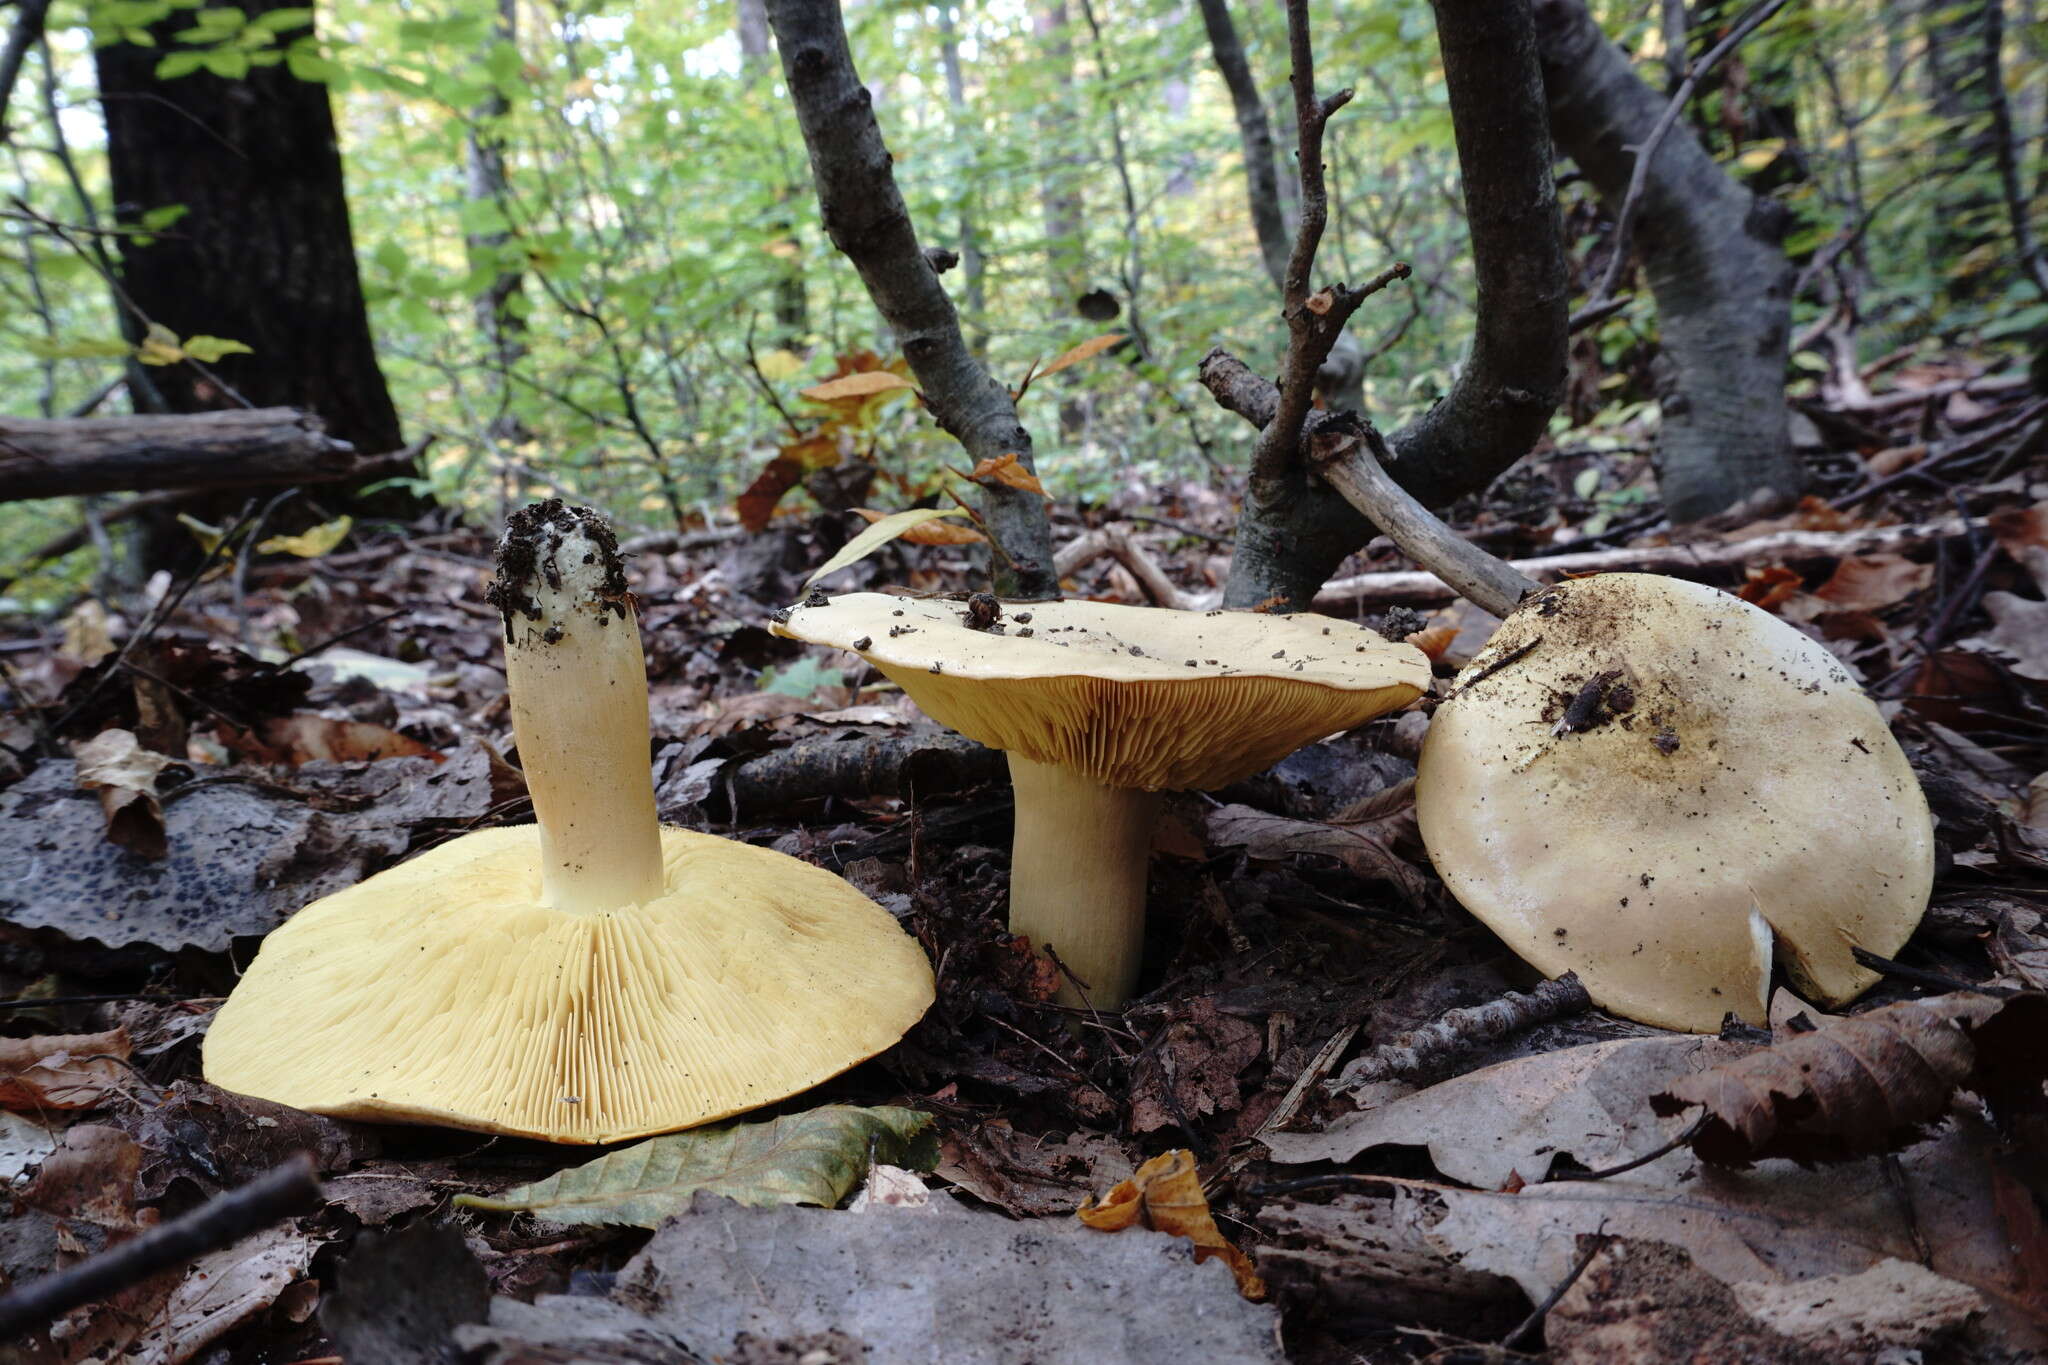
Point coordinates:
[(1134, 697), (1737, 791), (442, 991)]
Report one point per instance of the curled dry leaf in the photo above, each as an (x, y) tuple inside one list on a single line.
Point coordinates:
[(926, 531), (1770, 587), (1868, 1084), (855, 386), (116, 765), (757, 503), (1366, 838), (62, 1070), (2016, 528), (1010, 472), (307, 737), (1166, 1194)]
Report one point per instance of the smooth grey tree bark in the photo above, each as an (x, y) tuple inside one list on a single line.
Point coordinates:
[(866, 218), (1296, 529), (1255, 132), (1711, 253), (499, 320)]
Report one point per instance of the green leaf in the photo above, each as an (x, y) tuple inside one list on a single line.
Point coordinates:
[(880, 534), (161, 217), (226, 63), (278, 20), (1587, 483), (815, 1157), (84, 349), (801, 679), (209, 349), (179, 64)]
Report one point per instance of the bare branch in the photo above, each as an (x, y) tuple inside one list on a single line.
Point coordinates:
[(866, 218)]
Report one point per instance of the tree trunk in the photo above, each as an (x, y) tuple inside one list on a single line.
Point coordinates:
[(1255, 132), (970, 242), (262, 254), (1961, 34), (792, 299), (499, 305), (1710, 250)]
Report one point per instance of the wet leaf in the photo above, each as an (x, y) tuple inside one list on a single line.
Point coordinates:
[(816, 1157), (880, 532), (1087, 350), (1008, 471), (308, 737), (1166, 1194), (114, 764), (856, 386), (312, 543), (1868, 1084), (1365, 843)]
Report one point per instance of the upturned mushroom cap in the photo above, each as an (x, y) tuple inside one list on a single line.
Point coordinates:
[(1136, 697), (1668, 785), (443, 991)]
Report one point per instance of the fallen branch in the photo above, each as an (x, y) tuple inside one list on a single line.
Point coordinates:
[(1115, 542), (921, 763), (220, 1222), (236, 448), (1420, 589), (1462, 1030)]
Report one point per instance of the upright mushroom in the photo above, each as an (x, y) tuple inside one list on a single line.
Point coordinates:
[(593, 976), (1660, 786), (1100, 708)]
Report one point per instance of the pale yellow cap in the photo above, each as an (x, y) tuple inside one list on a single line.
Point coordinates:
[(442, 991), (1738, 799), (1136, 697)]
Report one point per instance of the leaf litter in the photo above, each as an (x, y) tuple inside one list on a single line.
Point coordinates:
[(1294, 915)]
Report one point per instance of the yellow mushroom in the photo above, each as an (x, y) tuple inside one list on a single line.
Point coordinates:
[(588, 978), (1100, 708)]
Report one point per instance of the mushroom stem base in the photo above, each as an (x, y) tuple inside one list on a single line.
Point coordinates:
[(1077, 876)]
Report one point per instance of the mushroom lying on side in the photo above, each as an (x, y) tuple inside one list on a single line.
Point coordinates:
[(588, 978), (1100, 708), (1660, 787)]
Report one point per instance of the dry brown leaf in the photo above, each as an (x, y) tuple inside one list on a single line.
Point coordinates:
[(1087, 350), (1366, 843), (1166, 1194), (1008, 471), (2016, 528), (1872, 582), (114, 763), (62, 1070), (1887, 462), (757, 504), (1868, 1084), (1433, 640), (2021, 632), (307, 737), (855, 386), (1770, 587), (934, 532)]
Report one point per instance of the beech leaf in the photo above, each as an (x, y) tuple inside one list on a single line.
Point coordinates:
[(1166, 1194), (1364, 838), (1868, 1084), (816, 1157), (115, 764), (884, 529), (310, 543), (1010, 472), (1087, 350), (855, 386)]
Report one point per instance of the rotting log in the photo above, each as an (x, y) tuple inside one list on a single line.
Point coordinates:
[(234, 448)]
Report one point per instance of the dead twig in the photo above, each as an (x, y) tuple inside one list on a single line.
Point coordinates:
[(220, 1222), (1462, 1030)]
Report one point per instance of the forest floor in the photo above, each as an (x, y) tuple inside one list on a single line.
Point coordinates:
[(332, 714)]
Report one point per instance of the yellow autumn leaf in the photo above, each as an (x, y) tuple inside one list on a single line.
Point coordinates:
[(1010, 472), (1165, 1193), (884, 530), (310, 543), (930, 532), (207, 536), (1087, 350), (159, 346), (779, 363), (856, 386)]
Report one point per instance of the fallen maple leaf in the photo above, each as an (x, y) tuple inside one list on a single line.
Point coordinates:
[(1868, 1084), (1008, 471), (1166, 1194)]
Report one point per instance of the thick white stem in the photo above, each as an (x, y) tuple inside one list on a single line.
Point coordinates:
[(579, 708), (1077, 876)]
